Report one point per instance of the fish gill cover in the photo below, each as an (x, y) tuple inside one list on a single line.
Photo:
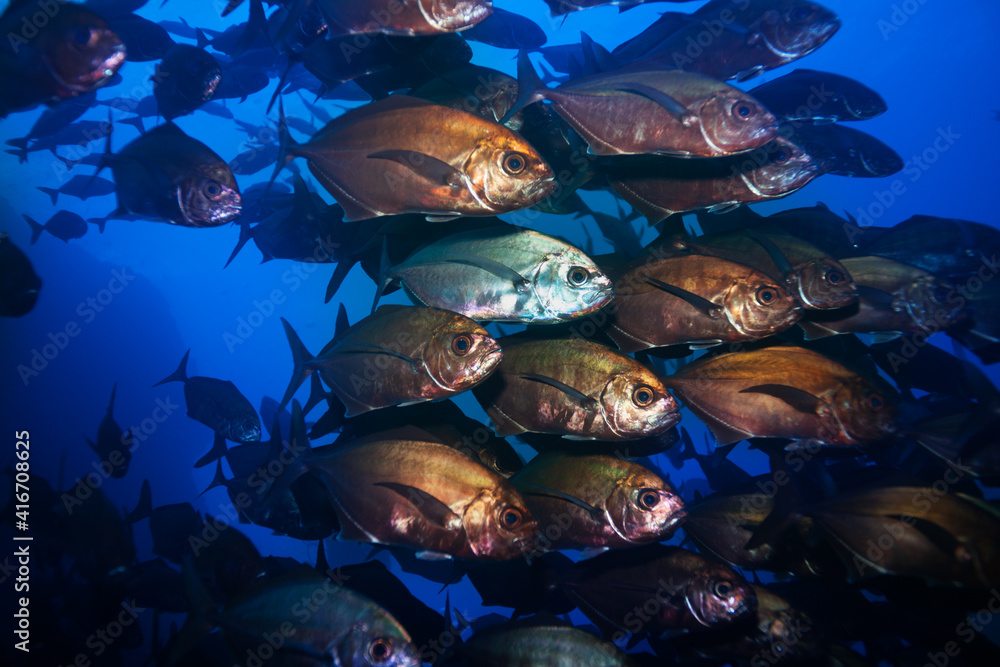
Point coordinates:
[(535, 332)]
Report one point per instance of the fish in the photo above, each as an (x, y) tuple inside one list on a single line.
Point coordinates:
[(81, 187), (784, 391), (894, 298), (503, 274), (113, 445), (695, 300), (817, 280), (387, 158), (480, 90), (819, 97), (72, 53), (507, 30), (948, 539), (55, 118), (332, 623), (598, 501), (77, 136), (670, 112), (692, 592), (64, 225), (217, 404), (394, 489), (667, 186), (423, 17), (576, 388), (19, 284), (186, 78), (846, 151), (946, 247), (398, 355), (560, 7), (167, 175), (144, 40), (537, 644)]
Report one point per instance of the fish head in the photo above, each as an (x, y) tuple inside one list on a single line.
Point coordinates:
[(377, 642), (733, 122), (499, 525), (824, 283), (507, 173), (569, 284), (636, 405), (455, 15), (926, 299), (460, 354), (719, 596), (779, 168), (644, 508), (209, 196), (863, 103), (81, 52), (864, 412), (757, 306), (794, 28)]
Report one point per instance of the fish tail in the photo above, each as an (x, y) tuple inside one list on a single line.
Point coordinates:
[(144, 507), (21, 144), (217, 451), (111, 402), (100, 222), (180, 375), (530, 88), (384, 266), (285, 143), (245, 235), (300, 360), (36, 229), (218, 480)]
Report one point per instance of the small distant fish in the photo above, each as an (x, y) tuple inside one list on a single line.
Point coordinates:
[(19, 284), (81, 187), (64, 225), (166, 175), (217, 404), (113, 445), (503, 274)]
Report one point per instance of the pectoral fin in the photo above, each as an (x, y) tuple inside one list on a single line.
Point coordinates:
[(799, 399), (699, 302), (664, 100), (496, 268), (588, 402), (532, 490), (429, 506), (426, 166), (367, 348)]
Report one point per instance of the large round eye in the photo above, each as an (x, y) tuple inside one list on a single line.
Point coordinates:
[(781, 155), (212, 189), (834, 277), (514, 163), (578, 276), (643, 396), (461, 345), (766, 296), (743, 110), (874, 402), (511, 518), (83, 35), (648, 498), (722, 589), (380, 650)]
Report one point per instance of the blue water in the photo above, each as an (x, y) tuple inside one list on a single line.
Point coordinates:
[(932, 61)]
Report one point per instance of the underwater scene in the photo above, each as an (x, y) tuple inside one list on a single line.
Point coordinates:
[(511, 332)]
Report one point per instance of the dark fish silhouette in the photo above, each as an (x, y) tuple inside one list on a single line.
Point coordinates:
[(19, 284), (113, 445)]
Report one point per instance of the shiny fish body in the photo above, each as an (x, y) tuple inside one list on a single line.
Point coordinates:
[(505, 275)]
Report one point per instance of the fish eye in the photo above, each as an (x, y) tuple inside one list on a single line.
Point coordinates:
[(802, 14), (511, 518), (874, 401), (212, 190), (461, 345), (578, 276), (766, 296), (514, 163), (834, 277), (643, 396), (380, 650), (743, 111), (648, 498), (780, 155), (723, 589), (83, 35)]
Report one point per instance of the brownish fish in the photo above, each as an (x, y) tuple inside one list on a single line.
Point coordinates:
[(598, 501), (696, 300), (785, 392), (576, 388), (893, 298), (667, 186), (419, 17), (423, 495), (398, 355), (405, 155), (479, 90), (669, 112)]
